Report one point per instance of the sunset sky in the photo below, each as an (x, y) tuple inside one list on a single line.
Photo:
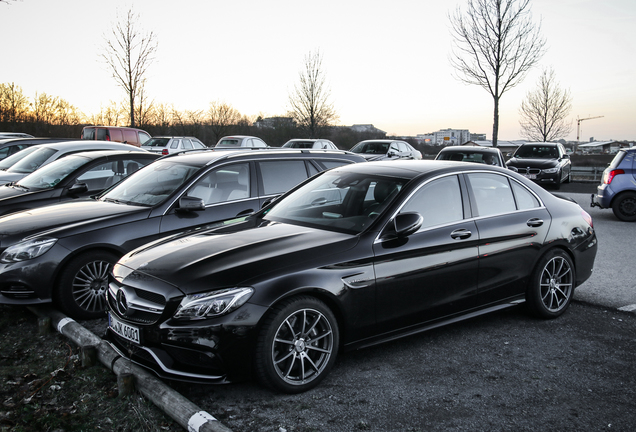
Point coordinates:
[(387, 63)]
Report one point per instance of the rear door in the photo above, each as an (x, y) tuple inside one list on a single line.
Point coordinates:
[(512, 225)]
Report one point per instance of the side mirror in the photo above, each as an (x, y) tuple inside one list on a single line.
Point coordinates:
[(509, 154), (78, 188), (269, 201), (188, 203), (404, 225)]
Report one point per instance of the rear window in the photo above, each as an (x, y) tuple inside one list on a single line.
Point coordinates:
[(156, 142)]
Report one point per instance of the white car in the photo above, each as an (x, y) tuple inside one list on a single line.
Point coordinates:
[(172, 144), (240, 141), (310, 144)]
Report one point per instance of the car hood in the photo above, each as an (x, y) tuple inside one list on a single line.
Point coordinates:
[(533, 163), (7, 177), (7, 191), (51, 219), (215, 259), (373, 157)]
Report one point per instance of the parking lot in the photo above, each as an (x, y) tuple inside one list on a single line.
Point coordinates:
[(506, 371)]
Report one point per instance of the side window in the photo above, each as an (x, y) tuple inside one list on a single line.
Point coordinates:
[(175, 144), (525, 199), (143, 137), (227, 183), (103, 175), (102, 134), (493, 194), (259, 143), (187, 144), (280, 176), (439, 202)]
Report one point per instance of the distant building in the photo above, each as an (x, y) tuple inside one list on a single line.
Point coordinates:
[(604, 147), (477, 137), (366, 128), (451, 136)]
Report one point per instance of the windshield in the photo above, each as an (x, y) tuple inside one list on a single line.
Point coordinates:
[(32, 161), (537, 152), (371, 148), (338, 201), (151, 185), (468, 156), (8, 162), (156, 142), (50, 175)]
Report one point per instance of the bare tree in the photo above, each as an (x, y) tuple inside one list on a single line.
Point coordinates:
[(129, 53), (221, 118), (495, 44), (310, 101), (545, 110)]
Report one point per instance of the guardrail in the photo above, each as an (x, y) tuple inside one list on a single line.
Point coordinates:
[(587, 174)]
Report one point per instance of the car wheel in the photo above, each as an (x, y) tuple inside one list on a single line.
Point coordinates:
[(81, 291), (624, 206), (552, 285), (297, 345)]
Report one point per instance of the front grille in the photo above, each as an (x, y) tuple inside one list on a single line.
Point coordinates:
[(151, 296), (16, 291), (193, 360), (136, 305), (529, 170)]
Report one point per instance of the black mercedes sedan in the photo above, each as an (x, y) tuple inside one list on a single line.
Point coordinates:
[(356, 256), (62, 253), (544, 163), (76, 176)]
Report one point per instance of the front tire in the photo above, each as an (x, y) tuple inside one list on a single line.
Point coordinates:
[(552, 285), (297, 345), (81, 291), (624, 206)]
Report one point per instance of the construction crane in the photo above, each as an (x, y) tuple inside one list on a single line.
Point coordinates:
[(578, 125)]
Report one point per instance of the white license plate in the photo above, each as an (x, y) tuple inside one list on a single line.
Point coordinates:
[(126, 331), (531, 176)]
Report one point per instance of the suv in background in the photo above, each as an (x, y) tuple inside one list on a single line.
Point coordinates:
[(136, 137), (618, 189), (64, 252), (240, 141), (542, 162), (471, 153), (172, 144)]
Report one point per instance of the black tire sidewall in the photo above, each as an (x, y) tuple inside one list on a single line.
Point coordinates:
[(263, 364), (617, 204), (63, 293)]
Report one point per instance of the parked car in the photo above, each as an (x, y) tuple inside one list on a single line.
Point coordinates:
[(10, 146), (4, 135), (310, 144), (76, 176), (28, 160), (476, 154), (64, 252), (618, 189), (127, 135), (240, 141), (358, 255), (172, 144), (374, 150), (544, 163)]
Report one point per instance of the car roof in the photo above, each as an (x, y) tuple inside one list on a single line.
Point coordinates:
[(174, 136), (107, 153), (87, 144), (206, 157), (470, 149), (33, 141), (410, 169)]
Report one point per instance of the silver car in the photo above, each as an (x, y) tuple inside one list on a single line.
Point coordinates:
[(172, 144), (310, 144)]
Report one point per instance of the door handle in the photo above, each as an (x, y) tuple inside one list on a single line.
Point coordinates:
[(461, 234), (534, 222)]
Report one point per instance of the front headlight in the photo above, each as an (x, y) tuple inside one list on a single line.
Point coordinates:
[(213, 304), (26, 250), (551, 170)]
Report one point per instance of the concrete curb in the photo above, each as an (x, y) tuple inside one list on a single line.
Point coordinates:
[(180, 409)]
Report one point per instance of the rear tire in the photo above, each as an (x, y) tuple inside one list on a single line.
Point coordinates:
[(624, 206), (552, 285), (297, 345), (81, 291)]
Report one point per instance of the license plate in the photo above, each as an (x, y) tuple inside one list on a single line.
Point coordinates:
[(531, 176), (126, 331)]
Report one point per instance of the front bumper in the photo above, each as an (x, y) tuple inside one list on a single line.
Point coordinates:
[(212, 351)]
